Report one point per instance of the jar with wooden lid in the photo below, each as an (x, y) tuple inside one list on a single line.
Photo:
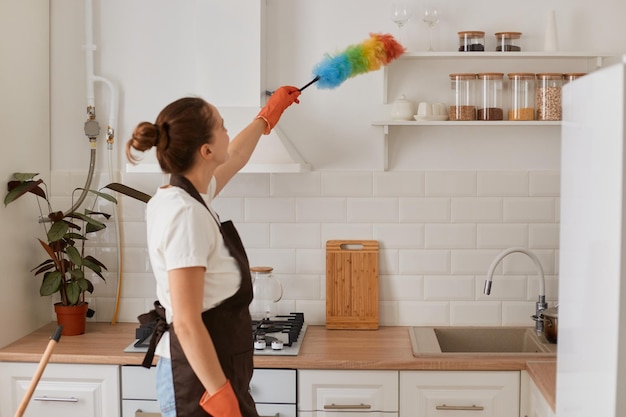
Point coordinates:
[(569, 77), (463, 97), (508, 41), (522, 96), (548, 96), (490, 106), (471, 41)]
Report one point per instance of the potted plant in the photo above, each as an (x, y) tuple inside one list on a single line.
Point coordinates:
[(64, 270)]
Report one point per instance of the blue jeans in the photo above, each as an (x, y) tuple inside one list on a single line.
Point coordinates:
[(165, 387)]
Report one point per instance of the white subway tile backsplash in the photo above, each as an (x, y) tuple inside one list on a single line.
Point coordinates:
[(515, 313), (450, 288), (399, 235), (502, 235), (475, 313), (321, 210), (450, 183), (372, 210), (401, 287), (424, 210), (438, 233), (347, 184), (543, 236), (307, 184), (497, 183), (451, 236), (423, 313), (270, 210), (545, 183), (478, 210), (403, 184), (529, 210), (424, 262), (294, 235)]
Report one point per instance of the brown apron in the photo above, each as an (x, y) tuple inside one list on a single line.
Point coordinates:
[(229, 325)]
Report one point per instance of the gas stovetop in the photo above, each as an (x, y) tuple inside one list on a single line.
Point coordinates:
[(280, 335)]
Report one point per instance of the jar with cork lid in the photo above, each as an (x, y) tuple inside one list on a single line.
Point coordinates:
[(490, 106), (463, 97), (522, 96), (508, 41), (569, 77), (471, 41), (548, 96)]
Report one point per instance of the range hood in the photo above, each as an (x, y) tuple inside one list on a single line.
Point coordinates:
[(274, 153)]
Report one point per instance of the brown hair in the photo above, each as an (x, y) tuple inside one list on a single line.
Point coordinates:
[(180, 129)]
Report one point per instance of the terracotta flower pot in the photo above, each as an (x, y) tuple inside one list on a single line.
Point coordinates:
[(72, 318)]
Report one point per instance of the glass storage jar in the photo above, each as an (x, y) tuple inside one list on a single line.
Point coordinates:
[(569, 77), (463, 97), (522, 96), (548, 96), (471, 41), (490, 105), (508, 41)]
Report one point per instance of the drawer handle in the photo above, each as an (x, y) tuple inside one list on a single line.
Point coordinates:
[(460, 407), (140, 413), (275, 415), (58, 399), (334, 406)]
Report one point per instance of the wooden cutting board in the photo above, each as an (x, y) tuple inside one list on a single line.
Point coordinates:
[(352, 284)]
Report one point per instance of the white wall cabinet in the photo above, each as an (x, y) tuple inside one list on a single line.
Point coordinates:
[(64, 390), (347, 393), (456, 393)]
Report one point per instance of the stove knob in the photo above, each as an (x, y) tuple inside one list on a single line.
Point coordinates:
[(277, 345), (260, 344)]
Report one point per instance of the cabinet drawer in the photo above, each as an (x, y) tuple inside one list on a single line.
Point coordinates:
[(335, 392), (138, 383), (273, 386), (135, 408), (452, 393), (66, 390), (276, 410)]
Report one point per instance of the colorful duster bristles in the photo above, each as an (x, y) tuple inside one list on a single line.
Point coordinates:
[(370, 55)]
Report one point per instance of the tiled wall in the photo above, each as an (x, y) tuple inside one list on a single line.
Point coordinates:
[(438, 232)]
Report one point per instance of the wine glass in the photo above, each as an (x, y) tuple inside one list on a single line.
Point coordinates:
[(431, 18), (401, 13)]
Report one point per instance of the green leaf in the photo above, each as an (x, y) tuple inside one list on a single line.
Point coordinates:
[(84, 285), (74, 236), (24, 176), (89, 263), (16, 190), (106, 196), (73, 292), (74, 255), (77, 273), (95, 261), (88, 219), (91, 228), (57, 231), (51, 283)]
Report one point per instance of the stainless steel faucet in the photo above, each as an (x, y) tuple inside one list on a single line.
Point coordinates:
[(541, 302)]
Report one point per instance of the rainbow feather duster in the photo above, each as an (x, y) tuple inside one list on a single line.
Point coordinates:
[(370, 55)]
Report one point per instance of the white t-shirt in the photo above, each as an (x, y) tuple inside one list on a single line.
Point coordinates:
[(182, 234)]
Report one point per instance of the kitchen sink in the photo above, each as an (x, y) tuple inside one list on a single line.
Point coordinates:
[(479, 340)]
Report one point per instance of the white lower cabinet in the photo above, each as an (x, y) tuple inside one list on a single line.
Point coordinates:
[(64, 390), (459, 393), (347, 393), (537, 406)]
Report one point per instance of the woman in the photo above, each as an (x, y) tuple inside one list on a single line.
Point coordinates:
[(203, 336)]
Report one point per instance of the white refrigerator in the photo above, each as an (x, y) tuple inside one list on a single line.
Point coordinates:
[(591, 360)]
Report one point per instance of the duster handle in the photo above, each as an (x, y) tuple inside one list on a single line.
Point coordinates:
[(314, 80)]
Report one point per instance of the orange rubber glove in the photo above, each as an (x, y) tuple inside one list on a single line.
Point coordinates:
[(281, 99), (223, 403)]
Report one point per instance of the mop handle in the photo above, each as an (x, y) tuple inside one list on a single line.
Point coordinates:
[(54, 339)]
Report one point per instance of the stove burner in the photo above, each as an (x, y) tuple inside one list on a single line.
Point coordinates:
[(285, 329)]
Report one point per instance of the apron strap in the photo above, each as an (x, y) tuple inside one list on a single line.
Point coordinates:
[(157, 315)]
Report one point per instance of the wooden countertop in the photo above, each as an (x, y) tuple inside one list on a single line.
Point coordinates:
[(386, 348)]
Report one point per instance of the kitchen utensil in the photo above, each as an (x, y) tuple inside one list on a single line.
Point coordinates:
[(352, 284), (431, 17), (550, 317), (402, 109), (54, 339), (267, 292)]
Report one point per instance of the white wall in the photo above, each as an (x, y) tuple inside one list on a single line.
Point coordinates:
[(443, 211), (25, 124)]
